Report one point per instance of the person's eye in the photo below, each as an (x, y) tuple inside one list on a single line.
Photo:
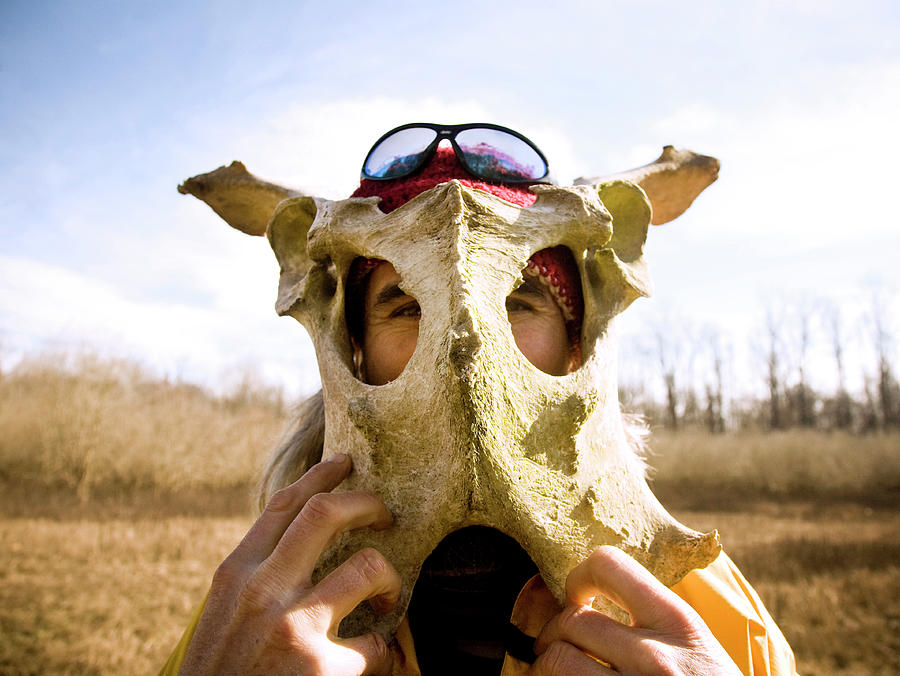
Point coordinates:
[(408, 310), (516, 304)]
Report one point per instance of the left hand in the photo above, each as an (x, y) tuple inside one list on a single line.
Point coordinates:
[(666, 635)]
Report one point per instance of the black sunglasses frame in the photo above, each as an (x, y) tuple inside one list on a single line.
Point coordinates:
[(449, 132)]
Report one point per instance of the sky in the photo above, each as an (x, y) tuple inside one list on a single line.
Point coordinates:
[(107, 106)]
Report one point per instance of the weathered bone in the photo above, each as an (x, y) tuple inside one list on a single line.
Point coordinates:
[(243, 201), (672, 181), (541, 458)]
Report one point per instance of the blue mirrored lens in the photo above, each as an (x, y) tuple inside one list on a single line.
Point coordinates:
[(496, 155), (399, 153)]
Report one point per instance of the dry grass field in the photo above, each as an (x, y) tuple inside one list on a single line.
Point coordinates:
[(119, 494)]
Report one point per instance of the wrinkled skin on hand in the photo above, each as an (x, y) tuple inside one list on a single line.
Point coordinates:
[(264, 615), (666, 636)]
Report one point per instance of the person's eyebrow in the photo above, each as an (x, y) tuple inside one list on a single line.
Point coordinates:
[(530, 287), (389, 293)]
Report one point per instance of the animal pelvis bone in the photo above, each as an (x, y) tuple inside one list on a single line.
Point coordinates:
[(471, 433)]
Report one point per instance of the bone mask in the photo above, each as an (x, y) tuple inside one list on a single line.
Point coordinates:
[(471, 433)]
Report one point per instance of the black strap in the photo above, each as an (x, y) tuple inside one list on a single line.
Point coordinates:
[(519, 644)]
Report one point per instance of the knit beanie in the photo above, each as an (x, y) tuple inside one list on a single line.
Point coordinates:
[(442, 167)]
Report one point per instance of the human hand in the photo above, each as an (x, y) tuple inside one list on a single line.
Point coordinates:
[(666, 635), (264, 614)]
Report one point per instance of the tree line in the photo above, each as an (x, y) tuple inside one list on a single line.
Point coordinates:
[(808, 364)]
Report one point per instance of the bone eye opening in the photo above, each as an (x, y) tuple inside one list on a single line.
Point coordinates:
[(382, 321), (546, 311)]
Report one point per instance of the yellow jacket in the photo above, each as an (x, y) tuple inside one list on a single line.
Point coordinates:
[(730, 607)]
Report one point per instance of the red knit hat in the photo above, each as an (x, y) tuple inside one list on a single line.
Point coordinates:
[(554, 267)]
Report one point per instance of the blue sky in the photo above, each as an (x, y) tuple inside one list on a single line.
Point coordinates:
[(108, 106)]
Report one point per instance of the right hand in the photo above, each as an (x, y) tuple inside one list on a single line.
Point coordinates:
[(264, 614)]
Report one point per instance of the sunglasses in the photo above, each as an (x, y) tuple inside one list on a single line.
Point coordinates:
[(487, 151)]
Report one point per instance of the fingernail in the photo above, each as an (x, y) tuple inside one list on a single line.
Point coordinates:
[(337, 457)]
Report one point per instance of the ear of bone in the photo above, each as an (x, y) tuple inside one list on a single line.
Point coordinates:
[(672, 181), (243, 201)]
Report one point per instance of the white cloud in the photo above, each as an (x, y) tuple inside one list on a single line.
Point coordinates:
[(321, 146), (812, 169), (802, 211), (49, 307)]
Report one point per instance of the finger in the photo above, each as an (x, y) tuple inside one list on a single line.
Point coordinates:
[(590, 631), (283, 507), (564, 659), (323, 518), (612, 573), (365, 575), (371, 652)]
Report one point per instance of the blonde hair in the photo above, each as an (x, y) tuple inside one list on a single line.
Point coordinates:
[(299, 449)]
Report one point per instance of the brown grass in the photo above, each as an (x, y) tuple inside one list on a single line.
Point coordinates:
[(103, 596), (694, 467), (119, 494), (101, 427)]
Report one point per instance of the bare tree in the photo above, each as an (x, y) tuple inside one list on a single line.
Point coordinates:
[(801, 397), (637, 373), (842, 414), (888, 396), (715, 384), (773, 370), (690, 386), (871, 420), (675, 356), (667, 368)]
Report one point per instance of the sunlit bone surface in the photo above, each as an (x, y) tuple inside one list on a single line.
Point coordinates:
[(471, 433)]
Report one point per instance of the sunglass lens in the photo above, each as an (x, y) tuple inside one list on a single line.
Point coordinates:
[(496, 155), (398, 154)]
